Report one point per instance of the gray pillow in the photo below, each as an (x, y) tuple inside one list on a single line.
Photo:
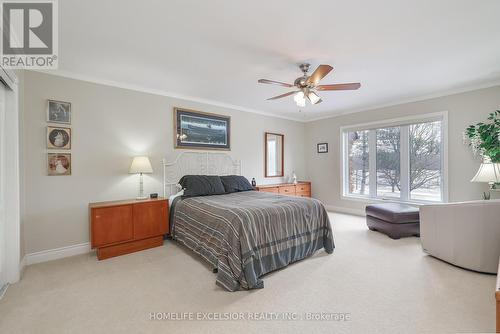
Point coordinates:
[(235, 183), (201, 185)]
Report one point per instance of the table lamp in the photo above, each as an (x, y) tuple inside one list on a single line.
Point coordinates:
[(141, 165), (489, 173)]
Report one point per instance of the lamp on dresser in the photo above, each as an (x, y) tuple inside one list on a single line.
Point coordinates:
[(141, 165)]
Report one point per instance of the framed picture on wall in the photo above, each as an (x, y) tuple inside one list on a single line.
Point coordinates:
[(200, 130), (58, 164), (58, 112), (323, 148), (58, 138)]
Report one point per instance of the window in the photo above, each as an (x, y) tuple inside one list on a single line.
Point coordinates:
[(425, 161), (398, 161), (359, 172), (388, 162)]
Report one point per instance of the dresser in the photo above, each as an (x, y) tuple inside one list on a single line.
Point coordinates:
[(301, 189), (122, 227)]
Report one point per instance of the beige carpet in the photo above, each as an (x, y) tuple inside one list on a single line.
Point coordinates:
[(385, 286)]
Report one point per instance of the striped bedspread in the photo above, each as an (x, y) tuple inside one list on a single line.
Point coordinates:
[(248, 234)]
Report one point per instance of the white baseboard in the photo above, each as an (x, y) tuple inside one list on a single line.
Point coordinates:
[(57, 253), (350, 211)]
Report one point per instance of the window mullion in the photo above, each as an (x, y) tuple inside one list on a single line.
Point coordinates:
[(372, 156), (405, 162)]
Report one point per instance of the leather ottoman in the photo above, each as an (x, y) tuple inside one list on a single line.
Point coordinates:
[(396, 220)]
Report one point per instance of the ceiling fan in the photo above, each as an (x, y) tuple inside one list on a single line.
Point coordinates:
[(309, 85)]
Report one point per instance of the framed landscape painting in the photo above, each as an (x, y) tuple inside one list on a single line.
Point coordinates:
[(199, 130)]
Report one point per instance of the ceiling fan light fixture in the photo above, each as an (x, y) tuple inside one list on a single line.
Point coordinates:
[(313, 97), (308, 85), (300, 99)]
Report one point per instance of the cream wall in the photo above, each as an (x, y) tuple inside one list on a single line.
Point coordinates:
[(110, 125), (463, 109)]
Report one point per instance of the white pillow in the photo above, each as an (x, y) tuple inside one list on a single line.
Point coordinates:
[(172, 197)]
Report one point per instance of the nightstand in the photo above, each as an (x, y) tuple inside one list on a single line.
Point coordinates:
[(122, 227)]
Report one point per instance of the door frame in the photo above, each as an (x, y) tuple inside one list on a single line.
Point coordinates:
[(12, 210)]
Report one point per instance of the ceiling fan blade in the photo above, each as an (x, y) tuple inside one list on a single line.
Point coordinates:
[(319, 74), (282, 95), (346, 86), (272, 82)]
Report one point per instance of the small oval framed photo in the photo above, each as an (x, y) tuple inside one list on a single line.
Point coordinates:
[(323, 148), (58, 138)]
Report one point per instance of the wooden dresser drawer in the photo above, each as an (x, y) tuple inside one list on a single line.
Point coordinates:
[(270, 189), (287, 190), (304, 187)]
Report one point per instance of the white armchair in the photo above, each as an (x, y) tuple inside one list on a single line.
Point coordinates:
[(465, 234)]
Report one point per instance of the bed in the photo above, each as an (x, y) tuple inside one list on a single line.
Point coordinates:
[(246, 234)]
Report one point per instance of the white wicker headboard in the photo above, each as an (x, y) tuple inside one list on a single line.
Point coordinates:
[(197, 163)]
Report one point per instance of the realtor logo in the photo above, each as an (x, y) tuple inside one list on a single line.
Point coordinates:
[(29, 34)]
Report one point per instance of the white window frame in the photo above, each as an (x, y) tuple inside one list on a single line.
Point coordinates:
[(404, 123)]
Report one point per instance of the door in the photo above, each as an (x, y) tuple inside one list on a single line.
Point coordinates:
[(150, 219), (3, 279), (111, 225), (10, 228)]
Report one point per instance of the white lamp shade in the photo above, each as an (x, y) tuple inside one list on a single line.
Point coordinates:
[(488, 172), (313, 97), (140, 165)]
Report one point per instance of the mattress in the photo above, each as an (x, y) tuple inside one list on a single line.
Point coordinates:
[(245, 235)]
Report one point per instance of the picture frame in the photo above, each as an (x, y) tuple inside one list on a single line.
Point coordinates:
[(58, 112), (58, 138), (200, 130), (322, 148), (58, 164)]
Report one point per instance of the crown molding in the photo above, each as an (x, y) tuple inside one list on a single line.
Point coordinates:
[(333, 114), (410, 100), (137, 88)]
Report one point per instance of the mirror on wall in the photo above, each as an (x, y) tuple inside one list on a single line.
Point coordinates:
[(274, 147)]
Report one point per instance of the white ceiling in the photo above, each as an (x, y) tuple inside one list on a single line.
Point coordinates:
[(217, 50)]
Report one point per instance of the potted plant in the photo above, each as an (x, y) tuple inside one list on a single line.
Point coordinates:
[(484, 138)]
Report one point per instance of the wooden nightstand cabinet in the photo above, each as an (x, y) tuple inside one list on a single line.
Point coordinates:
[(301, 189), (122, 227)]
